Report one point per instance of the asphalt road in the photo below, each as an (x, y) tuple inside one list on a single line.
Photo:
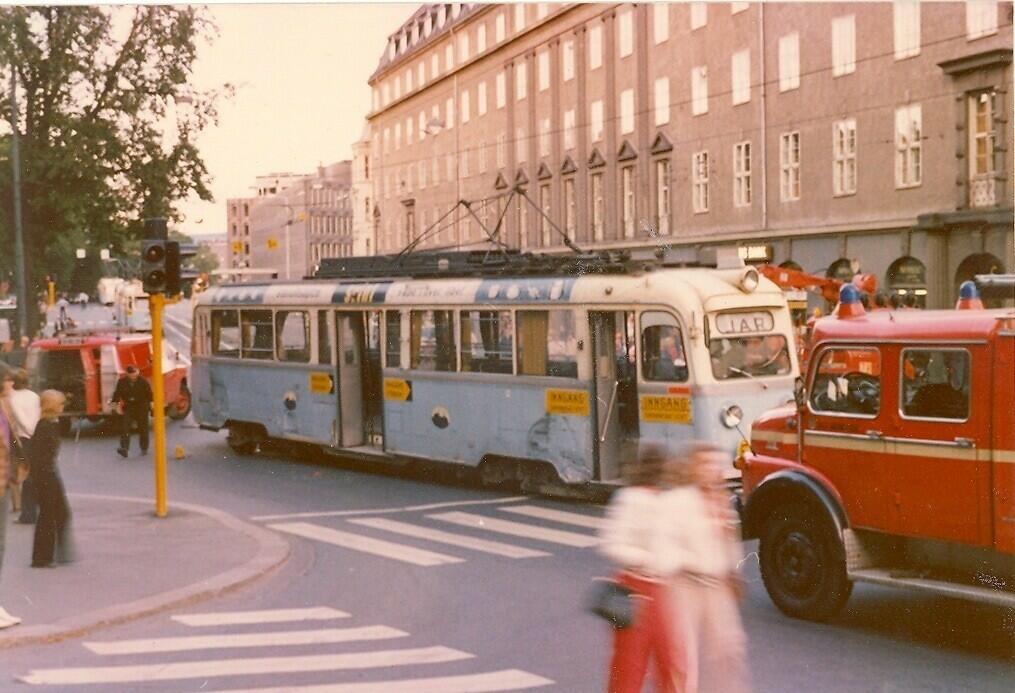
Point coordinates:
[(510, 609)]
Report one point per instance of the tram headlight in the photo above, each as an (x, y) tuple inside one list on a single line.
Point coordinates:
[(731, 416), (749, 280)]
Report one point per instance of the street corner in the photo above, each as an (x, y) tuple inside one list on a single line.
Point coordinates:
[(130, 564)]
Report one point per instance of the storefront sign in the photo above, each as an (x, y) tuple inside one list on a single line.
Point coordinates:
[(567, 402), (665, 409)]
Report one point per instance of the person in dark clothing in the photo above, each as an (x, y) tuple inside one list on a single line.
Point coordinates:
[(52, 530), (133, 397)]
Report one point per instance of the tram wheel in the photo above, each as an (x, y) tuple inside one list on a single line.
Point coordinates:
[(242, 440)]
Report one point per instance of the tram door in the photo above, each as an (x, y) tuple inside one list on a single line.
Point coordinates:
[(359, 377), (615, 395)]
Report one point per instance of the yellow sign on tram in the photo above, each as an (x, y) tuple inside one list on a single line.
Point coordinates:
[(667, 409), (567, 402), (321, 384), (397, 390)]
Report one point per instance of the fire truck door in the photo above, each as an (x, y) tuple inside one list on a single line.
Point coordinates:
[(938, 475), (90, 363), (844, 428)]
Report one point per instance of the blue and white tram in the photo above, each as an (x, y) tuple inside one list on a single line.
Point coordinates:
[(553, 377)]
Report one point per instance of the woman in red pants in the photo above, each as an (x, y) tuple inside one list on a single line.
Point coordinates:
[(629, 540)]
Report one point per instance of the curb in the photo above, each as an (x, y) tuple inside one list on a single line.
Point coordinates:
[(272, 552)]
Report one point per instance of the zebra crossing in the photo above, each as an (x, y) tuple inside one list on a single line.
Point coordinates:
[(424, 539), (182, 658)]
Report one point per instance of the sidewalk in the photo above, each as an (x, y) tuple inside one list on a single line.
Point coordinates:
[(130, 564)]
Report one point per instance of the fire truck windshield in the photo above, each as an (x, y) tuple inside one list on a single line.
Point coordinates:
[(749, 357)]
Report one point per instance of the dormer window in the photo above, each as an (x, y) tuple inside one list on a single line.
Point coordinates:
[(428, 24), (456, 9), (442, 15), (391, 49), (415, 33)]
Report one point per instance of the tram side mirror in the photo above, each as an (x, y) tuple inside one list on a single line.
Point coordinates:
[(798, 391)]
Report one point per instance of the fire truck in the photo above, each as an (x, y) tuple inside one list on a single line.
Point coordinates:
[(86, 366), (895, 464)]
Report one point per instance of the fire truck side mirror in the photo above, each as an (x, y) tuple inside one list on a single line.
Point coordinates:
[(798, 391)]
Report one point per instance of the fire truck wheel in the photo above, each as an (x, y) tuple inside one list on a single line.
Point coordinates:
[(181, 407), (801, 566)]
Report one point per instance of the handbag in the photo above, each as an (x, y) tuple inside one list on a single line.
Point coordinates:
[(614, 602)]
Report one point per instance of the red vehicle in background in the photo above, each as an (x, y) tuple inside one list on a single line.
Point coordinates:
[(896, 464), (87, 366)]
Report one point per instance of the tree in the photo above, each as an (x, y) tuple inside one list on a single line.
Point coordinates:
[(108, 125)]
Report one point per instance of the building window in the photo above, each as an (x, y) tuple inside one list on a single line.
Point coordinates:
[(596, 120), (463, 47), (408, 131), (789, 166), (449, 57), (627, 111), (789, 61), (627, 200), (501, 150), (449, 161), (481, 99), (595, 47), (544, 220), (569, 129), (982, 135), (543, 60), (844, 155), (544, 137), (906, 22), (398, 136), (567, 55), (386, 90), (542, 10), (625, 29), (908, 131), (464, 104), (408, 80), (981, 18), (501, 89), (843, 45), (662, 100), (699, 90), (520, 145), (435, 66), (499, 27), (740, 66), (481, 154), (421, 172), (522, 210), (521, 78), (663, 196), (449, 113), (699, 15), (570, 208), (519, 17), (422, 126), (597, 206), (481, 38), (699, 177), (742, 174), (660, 21)]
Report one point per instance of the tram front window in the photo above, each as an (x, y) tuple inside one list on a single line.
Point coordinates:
[(749, 357)]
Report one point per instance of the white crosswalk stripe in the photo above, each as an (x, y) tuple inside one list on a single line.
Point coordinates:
[(518, 529), (504, 680), (485, 545), (358, 542), (561, 516), (170, 671), (231, 618), (238, 640)]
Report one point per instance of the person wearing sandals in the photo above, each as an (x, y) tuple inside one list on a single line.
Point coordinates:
[(52, 530)]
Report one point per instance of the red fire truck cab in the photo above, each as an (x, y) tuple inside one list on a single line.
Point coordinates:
[(87, 366), (896, 464)]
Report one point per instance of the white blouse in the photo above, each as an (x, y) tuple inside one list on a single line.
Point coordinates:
[(665, 532)]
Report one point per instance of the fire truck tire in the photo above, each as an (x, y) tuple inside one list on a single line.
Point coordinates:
[(801, 566), (181, 407)]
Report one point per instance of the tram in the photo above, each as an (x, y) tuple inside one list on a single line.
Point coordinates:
[(543, 369)]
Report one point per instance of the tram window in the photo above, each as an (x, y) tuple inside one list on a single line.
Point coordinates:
[(662, 349), (393, 341), (486, 341), (847, 381), (292, 334), (432, 339), (256, 329), (323, 338), (749, 357), (547, 343), (225, 333), (935, 384)]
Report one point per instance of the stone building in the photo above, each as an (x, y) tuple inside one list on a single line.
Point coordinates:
[(836, 137)]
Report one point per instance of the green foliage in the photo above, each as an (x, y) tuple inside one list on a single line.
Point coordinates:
[(108, 125)]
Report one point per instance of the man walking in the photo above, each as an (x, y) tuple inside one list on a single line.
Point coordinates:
[(133, 398)]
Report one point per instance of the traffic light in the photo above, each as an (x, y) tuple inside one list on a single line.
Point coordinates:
[(154, 257), (175, 256)]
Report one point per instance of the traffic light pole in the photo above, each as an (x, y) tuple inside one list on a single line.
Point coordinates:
[(157, 304)]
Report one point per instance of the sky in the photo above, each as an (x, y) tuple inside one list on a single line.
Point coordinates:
[(301, 99)]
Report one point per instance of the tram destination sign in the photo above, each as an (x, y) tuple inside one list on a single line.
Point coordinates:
[(756, 322)]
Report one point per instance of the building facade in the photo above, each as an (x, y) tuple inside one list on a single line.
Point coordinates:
[(835, 137), (364, 240), (291, 230)]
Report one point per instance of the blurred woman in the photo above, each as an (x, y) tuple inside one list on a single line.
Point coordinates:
[(630, 540), (52, 535)]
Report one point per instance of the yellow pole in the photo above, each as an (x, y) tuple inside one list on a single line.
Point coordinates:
[(156, 306), (51, 294)]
